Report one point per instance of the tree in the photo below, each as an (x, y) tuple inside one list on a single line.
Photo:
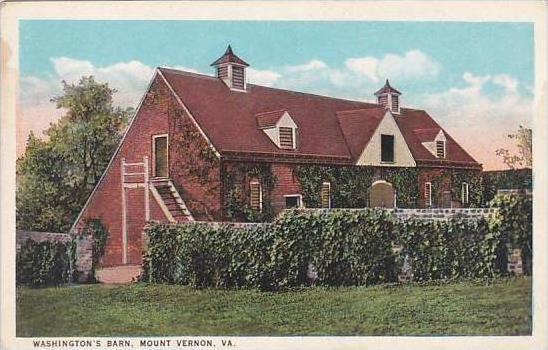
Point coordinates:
[(524, 142), (56, 175)]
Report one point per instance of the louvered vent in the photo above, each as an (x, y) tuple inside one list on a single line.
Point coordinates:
[(238, 77), (383, 100), (222, 72), (255, 196), (395, 104), (286, 138), (440, 149), (464, 193), (428, 194), (326, 195)]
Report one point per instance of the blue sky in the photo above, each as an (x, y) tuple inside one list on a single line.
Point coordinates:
[(468, 75)]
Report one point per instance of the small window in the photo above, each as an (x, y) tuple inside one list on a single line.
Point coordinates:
[(293, 201), (465, 194), (286, 137), (255, 195), (440, 149), (428, 194), (325, 195), (387, 148)]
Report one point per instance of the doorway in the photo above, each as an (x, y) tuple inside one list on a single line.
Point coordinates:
[(160, 152), (381, 194)]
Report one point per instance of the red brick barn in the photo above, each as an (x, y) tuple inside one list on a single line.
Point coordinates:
[(215, 148)]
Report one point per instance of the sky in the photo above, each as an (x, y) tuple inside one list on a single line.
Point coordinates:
[(475, 79)]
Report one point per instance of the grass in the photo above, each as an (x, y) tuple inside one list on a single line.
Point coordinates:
[(459, 308)]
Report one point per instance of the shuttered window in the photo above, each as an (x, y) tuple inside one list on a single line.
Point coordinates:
[(464, 193), (325, 195), (440, 149), (255, 195), (286, 137), (428, 194), (238, 77)]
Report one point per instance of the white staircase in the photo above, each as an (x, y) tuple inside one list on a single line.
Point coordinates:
[(169, 200)]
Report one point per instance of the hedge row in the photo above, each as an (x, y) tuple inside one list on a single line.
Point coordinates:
[(48, 263), (346, 248), (343, 247), (45, 263)]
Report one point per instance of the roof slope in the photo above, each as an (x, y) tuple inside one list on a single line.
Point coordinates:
[(358, 127), (328, 127)]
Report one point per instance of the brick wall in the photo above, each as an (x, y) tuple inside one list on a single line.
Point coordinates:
[(106, 202)]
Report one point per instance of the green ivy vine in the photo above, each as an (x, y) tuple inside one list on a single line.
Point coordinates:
[(235, 183)]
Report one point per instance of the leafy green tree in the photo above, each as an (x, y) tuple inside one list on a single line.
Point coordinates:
[(524, 142), (56, 174)]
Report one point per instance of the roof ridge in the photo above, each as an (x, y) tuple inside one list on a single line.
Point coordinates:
[(350, 111)]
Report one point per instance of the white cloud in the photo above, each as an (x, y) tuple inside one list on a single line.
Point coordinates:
[(262, 77), (306, 67), (366, 66), (414, 64)]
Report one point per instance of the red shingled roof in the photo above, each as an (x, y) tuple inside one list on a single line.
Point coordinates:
[(412, 119), (358, 126), (269, 119), (387, 89), (329, 128), (229, 57), (427, 135)]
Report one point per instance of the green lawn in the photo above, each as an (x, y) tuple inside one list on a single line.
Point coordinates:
[(463, 308)]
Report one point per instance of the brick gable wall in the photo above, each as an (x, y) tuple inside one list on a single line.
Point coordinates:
[(106, 202)]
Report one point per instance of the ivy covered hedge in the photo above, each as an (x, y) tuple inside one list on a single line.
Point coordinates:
[(515, 223), (45, 263), (344, 247), (448, 250)]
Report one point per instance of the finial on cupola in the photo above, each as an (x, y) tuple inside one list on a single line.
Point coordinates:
[(231, 70), (388, 97)]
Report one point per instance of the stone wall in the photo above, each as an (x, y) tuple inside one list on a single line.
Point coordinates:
[(84, 248), (444, 214)]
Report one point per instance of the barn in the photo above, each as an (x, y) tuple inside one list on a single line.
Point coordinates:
[(217, 148)]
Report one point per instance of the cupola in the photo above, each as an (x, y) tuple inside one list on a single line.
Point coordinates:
[(231, 70), (389, 97)]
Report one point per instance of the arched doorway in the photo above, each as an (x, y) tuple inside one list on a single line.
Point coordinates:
[(381, 194)]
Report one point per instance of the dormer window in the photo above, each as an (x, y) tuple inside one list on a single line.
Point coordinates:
[(440, 149), (286, 137), (280, 128), (434, 140)]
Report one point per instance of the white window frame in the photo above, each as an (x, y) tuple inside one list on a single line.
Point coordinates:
[(300, 196), (329, 194), (465, 193), (154, 137), (260, 195), (444, 149), (428, 200)]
